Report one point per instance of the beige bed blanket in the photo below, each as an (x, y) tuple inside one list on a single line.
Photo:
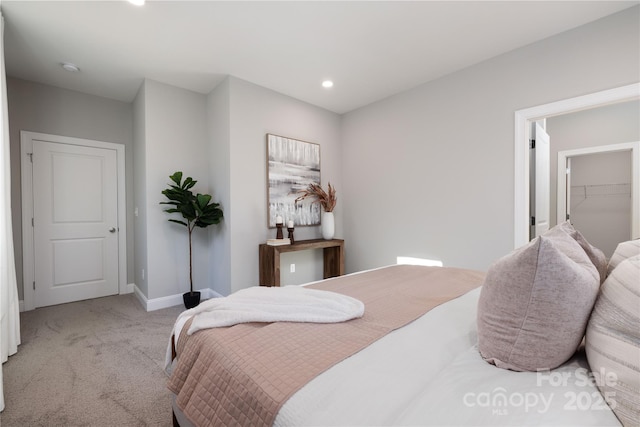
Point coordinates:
[(242, 375)]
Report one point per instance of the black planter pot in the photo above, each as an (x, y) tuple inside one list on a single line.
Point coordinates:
[(191, 299)]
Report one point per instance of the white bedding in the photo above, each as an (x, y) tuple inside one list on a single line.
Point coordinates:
[(430, 373)]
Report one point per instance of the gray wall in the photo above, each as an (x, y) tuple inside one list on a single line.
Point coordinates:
[(254, 111), (140, 193), (429, 172), (40, 108), (175, 139), (218, 127), (603, 219)]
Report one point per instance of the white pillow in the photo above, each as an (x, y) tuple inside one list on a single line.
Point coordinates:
[(623, 251), (613, 341)]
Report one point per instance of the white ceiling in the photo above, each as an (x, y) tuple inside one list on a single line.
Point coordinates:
[(371, 50)]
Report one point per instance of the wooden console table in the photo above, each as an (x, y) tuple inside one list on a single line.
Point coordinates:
[(270, 258)]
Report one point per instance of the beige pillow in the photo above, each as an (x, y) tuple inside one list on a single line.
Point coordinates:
[(596, 256), (613, 341), (623, 251), (535, 304)]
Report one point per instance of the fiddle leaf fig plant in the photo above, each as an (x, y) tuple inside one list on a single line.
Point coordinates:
[(197, 210)]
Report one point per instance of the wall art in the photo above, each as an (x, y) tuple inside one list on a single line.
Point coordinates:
[(292, 166)]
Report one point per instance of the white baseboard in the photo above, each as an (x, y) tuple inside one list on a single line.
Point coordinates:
[(169, 301), (155, 303), (130, 288)]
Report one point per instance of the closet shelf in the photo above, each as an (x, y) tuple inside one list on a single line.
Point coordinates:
[(601, 190)]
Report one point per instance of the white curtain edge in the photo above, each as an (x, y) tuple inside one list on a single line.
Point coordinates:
[(9, 304)]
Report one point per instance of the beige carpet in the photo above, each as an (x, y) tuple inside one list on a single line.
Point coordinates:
[(90, 363)]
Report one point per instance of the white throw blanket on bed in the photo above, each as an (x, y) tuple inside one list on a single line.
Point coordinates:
[(274, 304), (268, 304)]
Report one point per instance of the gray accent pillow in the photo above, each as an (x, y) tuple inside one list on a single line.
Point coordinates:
[(596, 256), (613, 341), (535, 304), (623, 251)]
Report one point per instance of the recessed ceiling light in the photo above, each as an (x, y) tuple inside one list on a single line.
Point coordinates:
[(70, 67), (327, 84), (137, 2)]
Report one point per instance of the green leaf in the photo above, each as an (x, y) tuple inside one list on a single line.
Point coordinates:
[(203, 222), (176, 177), (188, 183), (213, 207), (188, 211), (179, 222), (203, 200), (191, 184), (173, 194)]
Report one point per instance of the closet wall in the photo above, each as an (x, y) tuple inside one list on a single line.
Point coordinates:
[(601, 198), (612, 124)]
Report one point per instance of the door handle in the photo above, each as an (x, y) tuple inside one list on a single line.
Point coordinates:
[(112, 230)]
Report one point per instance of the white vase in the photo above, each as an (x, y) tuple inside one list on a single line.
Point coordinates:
[(328, 225)]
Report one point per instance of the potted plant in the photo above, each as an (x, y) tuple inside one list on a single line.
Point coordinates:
[(327, 200), (197, 211)]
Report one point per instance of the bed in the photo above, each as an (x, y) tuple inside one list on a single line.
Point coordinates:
[(424, 369)]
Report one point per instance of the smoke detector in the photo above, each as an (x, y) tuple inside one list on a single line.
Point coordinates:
[(68, 66)]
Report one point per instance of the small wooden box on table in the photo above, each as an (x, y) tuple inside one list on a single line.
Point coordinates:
[(270, 258)]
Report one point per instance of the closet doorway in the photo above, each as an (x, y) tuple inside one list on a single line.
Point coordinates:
[(595, 192), (523, 120)]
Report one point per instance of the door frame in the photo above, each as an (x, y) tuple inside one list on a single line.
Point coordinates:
[(523, 120), (28, 262), (634, 147)]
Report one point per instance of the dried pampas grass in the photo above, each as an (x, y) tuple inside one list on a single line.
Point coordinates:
[(326, 199)]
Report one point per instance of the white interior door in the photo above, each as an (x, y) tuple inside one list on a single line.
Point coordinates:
[(540, 181), (75, 206)]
